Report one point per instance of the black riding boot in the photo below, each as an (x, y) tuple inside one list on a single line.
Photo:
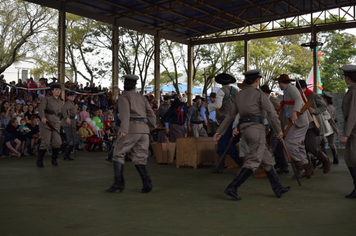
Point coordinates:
[(55, 152), (40, 156), (146, 180), (67, 154), (231, 189), (277, 188), (119, 182), (336, 157), (353, 174)]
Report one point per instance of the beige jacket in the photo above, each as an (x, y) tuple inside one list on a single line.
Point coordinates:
[(135, 105)]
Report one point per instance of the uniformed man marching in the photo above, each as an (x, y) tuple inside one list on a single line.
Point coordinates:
[(68, 124), (253, 106), (50, 111), (136, 118), (349, 132)]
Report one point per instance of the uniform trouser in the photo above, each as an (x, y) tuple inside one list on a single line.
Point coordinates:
[(198, 130), (2, 143), (213, 128), (294, 142), (258, 154), (176, 131), (48, 136), (136, 144), (350, 150), (312, 141), (161, 136), (71, 135), (331, 141)]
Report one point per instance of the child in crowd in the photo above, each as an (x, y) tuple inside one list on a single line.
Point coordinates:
[(23, 128)]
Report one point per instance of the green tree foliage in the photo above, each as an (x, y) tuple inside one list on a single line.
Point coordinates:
[(20, 23), (338, 50)]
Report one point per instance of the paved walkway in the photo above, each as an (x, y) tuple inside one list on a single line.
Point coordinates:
[(70, 200)]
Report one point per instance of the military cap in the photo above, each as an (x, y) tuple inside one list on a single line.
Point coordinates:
[(265, 89), (55, 85), (348, 69), (253, 73), (327, 95), (301, 83), (283, 78), (224, 78), (70, 93), (131, 77)]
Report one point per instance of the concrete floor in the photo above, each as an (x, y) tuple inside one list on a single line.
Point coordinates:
[(70, 200)]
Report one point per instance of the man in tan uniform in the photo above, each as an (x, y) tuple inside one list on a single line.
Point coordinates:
[(50, 111), (253, 106), (137, 118), (195, 121), (68, 124), (290, 106), (349, 132)]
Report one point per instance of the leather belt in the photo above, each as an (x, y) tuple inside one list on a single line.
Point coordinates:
[(139, 119), (52, 113), (252, 119), (197, 122)]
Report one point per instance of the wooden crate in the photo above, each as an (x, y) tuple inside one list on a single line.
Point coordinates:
[(164, 152), (194, 151)]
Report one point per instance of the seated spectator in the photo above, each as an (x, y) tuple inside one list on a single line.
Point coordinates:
[(29, 114), (19, 100), (6, 112), (34, 135), (84, 113), (104, 102), (30, 100), (9, 138), (42, 94), (87, 135), (24, 130), (18, 113)]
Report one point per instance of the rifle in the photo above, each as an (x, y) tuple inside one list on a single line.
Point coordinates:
[(223, 155), (304, 108), (52, 128), (290, 161), (317, 125)]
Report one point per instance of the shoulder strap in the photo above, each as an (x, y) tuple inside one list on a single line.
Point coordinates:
[(231, 94)]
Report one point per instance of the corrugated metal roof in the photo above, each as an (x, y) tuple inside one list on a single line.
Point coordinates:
[(189, 19)]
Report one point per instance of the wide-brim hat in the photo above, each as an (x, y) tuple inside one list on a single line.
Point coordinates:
[(265, 89), (55, 85), (327, 95), (241, 85), (283, 78), (167, 97), (224, 78), (198, 97)]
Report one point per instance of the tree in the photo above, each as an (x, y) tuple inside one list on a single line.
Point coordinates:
[(338, 50), (21, 22)]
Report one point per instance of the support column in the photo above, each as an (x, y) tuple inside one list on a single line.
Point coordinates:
[(61, 46), (157, 87), (314, 42), (247, 54), (115, 60), (190, 73)]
